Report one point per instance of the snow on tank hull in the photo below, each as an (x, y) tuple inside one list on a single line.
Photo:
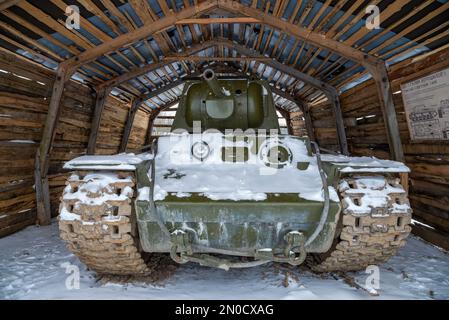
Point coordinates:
[(229, 206)]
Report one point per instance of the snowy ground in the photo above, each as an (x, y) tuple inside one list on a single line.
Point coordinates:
[(30, 268)]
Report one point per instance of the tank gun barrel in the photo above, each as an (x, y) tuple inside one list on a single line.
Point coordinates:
[(212, 81)]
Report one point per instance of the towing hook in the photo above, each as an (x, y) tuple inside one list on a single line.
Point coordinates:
[(180, 239), (295, 240)]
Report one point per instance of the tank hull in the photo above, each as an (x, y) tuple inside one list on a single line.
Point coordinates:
[(236, 228)]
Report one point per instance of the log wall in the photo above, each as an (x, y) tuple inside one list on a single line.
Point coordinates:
[(324, 126), (112, 125), (297, 124), (25, 90), (429, 160)]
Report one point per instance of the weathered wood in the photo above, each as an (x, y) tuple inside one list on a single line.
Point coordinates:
[(42, 195), (14, 227), (62, 75), (300, 32), (48, 135), (404, 180), (102, 94), (140, 33), (380, 75), (332, 96), (289, 124), (135, 107), (314, 82), (218, 20), (307, 120), (153, 116), (24, 109), (204, 58), (149, 134), (129, 123), (433, 236), (8, 3), (438, 206), (132, 74)]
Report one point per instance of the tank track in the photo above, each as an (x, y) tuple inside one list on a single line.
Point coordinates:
[(375, 222), (98, 225)]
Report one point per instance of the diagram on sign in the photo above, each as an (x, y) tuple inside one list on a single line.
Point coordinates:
[(426, 103)]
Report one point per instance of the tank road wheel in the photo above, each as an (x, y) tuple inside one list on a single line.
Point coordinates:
[(374, 223), (97, 222)]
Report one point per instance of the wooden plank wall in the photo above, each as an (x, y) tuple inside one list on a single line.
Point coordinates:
[(429, 161), (112, 126), (324, 126), (25, 89), (297, 124)]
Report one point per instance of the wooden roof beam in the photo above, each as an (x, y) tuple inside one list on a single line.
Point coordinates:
[(131, 37), (330, 91), (307, 35), (8, 3), (208, 21), (135, 107), (138, 71), (375, 66)]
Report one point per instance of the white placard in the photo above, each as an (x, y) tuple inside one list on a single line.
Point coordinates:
[(426, 103)]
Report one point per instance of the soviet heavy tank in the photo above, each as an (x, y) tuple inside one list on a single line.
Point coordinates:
[(225, 189)]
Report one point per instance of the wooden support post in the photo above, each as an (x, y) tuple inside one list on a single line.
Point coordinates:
[(43, 153), (136, 105), (42, 195), (62, 75), (102, 94), (332, 95), (308, 122), (286, 115), (153, 115), (149, 133), (129, 124), (380, 75), (404, 181), (288, 121)]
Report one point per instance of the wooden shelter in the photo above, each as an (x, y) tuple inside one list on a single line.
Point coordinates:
[(102, 87)]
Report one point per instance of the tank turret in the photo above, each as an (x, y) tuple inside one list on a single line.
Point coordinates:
[(226, 103)]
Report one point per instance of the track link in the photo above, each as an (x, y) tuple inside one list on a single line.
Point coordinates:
[(375, 222), (97, 222)]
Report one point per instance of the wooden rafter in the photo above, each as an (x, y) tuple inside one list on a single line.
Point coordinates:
[(5, 4), (329, 91), (307, 35)]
